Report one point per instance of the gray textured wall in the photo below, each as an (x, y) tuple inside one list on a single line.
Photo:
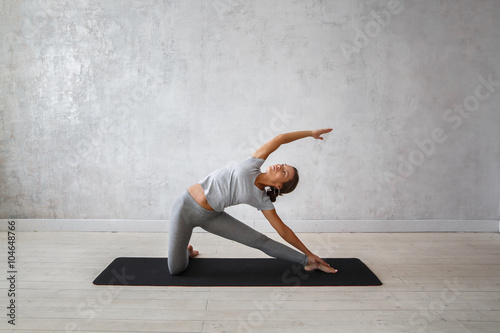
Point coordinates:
[(110, 109)]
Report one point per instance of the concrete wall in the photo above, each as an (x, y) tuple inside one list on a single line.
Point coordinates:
[(110, 109)]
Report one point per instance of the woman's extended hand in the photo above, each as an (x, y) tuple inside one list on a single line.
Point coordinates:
[(317, 133), (316, 261)]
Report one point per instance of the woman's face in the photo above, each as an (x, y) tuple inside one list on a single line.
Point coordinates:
[(280, 174)]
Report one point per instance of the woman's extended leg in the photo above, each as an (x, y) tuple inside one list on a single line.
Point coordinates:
[(226, 226)]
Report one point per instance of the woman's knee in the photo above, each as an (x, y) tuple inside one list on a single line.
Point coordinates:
[(175, 267)]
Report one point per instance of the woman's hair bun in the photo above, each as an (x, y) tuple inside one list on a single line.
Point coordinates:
[(272, 193)]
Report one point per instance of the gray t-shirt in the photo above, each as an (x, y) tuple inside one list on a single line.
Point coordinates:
[(234, 184)]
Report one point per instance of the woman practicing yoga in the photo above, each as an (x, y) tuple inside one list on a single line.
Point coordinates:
[(202, 205)]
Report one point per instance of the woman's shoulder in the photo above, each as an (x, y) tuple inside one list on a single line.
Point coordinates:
[(252, 162), (255, 159)]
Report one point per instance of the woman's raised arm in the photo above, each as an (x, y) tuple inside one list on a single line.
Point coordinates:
[(267, 148)]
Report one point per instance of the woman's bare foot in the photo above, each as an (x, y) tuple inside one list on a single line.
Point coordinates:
[(327, 269), (192, 252)]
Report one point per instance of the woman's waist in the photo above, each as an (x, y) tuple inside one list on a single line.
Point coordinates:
[(198, 194)]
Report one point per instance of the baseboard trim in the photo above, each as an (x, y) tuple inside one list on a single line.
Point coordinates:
[(305, 226)]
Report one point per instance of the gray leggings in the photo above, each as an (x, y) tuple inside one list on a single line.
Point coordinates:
[(187, 214)]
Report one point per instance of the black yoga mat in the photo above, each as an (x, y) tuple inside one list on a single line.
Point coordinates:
[(203, 272)]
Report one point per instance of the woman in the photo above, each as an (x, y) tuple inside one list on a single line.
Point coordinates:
[(202, 205)]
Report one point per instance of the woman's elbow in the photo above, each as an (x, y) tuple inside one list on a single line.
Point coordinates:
[(279, 138)]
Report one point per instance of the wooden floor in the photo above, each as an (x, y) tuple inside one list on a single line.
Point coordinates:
[(432, 283)]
